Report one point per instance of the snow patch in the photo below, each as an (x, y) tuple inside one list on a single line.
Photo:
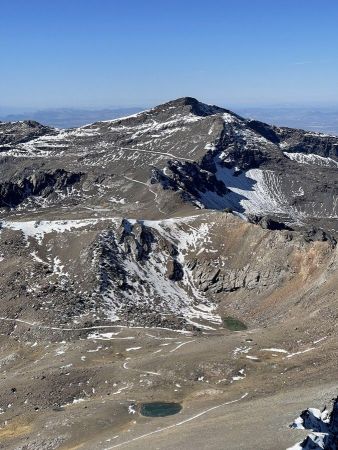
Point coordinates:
[(312, 159)]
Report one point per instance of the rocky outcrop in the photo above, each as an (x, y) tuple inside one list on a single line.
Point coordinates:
[(240, 155), (324, 425), (13, 133), (215, 280), (136, 239), (12, 193), (191, 179), (317, 234), (267, 222), (129, 262), (108, 262), (299, 141), (267, 131)]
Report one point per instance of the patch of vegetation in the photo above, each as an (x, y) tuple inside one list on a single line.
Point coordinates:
[(233, 324)]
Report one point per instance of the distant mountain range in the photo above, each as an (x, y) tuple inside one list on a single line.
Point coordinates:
[(69, 117), (324, 120), (319, 119)]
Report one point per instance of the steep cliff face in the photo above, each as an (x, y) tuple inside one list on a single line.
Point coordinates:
[(40, 185), (185, 273), (324, 427)]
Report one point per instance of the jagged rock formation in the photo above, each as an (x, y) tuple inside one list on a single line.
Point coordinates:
[(171, 273), (13, 133), (267, 223), (324, 427), (42, 184)]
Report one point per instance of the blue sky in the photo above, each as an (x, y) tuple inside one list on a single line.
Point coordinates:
[(98, 53)]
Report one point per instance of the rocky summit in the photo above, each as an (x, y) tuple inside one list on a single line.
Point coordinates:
[(182, 254)]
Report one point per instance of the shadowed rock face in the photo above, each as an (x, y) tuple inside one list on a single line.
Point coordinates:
[(324, 427), (43, 184), (267, 222)]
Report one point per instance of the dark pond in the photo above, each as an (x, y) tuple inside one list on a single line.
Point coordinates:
[(160, 409), (233, 324)]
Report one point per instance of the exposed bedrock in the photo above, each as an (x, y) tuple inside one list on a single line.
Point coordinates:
[(130, 261), (40, 183), (324, 427), (24, 131)]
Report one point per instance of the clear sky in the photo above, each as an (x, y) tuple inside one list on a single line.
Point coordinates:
[(98, 53)]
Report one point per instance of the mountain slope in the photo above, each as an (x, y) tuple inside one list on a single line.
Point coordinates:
[(179, 155), (119, 186), (182, 254)]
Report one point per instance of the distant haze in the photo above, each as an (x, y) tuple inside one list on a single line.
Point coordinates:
[(69, 117), (323, 119)]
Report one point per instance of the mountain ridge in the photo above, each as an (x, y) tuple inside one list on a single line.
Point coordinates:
[(182, 253), (204, 154), (124, 180)]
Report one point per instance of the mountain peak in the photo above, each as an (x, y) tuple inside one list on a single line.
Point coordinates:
[(191, 105)]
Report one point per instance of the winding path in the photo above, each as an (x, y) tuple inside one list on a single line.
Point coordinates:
[(202, 413)]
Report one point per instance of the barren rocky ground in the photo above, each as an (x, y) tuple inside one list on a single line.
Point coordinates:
[(183, 254)]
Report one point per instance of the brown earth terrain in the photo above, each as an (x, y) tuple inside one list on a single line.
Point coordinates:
[(181, 255)]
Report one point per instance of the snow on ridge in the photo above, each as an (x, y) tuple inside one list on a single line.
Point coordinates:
[(135, 115), (229, 118), (180, 298), (319, 134), (24, 153), (173, 124), (255, 191), (311, 158), (130, 116), (261, 192), (323, 429), (37, 229), (48, 145)]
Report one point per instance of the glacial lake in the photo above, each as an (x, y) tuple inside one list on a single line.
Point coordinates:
[(160, 409)]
